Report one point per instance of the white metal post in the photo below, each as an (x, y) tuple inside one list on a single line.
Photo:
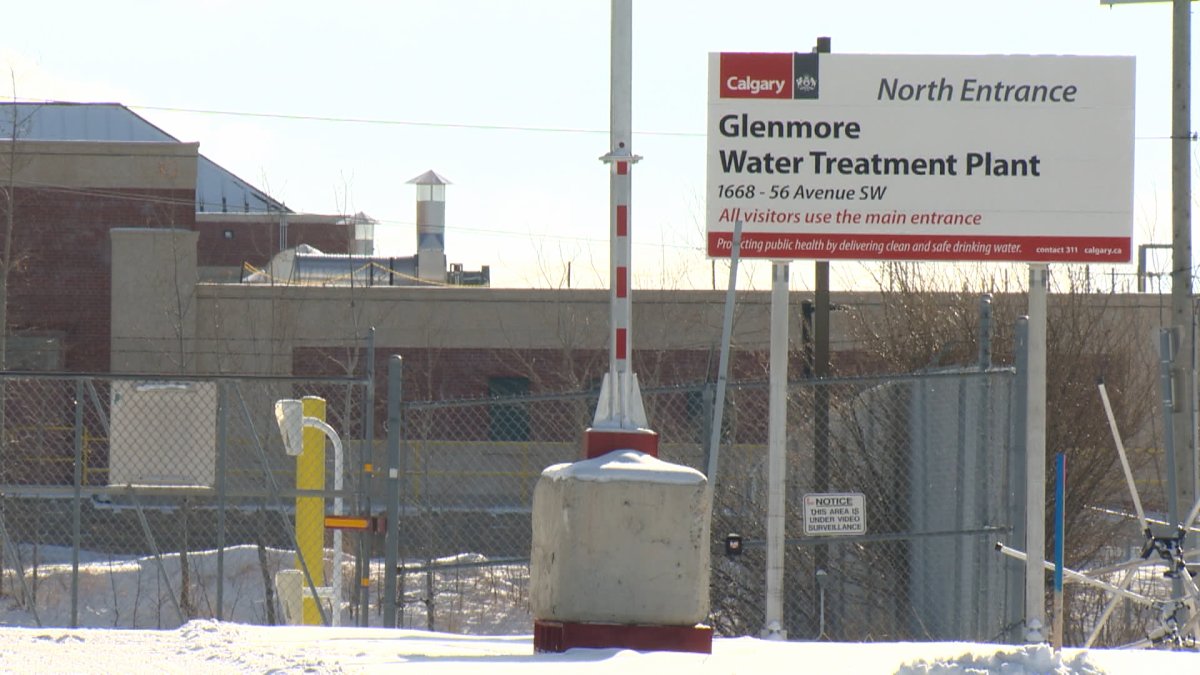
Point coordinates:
[(718, 412), (1035, 458), (776, 450), (620, 410)]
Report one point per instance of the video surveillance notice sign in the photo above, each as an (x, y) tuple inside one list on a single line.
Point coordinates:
[(835, 514), (909, 157)]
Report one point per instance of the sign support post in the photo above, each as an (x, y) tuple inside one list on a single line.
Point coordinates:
[(1035, 460), (820, 370), (776, 450)]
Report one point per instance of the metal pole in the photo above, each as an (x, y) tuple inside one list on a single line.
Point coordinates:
[(820, 369), (714, 439), (391, 538), (1060, 495), (310, 512), (989, 575), (1035, 459), (776, 450), (1116, 434), (1141, 270), (985, 331), (1016, 466), (1167, 351), (622, 408), (76, 508), (364, 486), (966, 482), (1182, 307), (1183, 311), (339, 473), (222, 488), (821, 283)]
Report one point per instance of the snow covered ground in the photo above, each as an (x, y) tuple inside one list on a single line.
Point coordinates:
[(139, 591), (120, 593), (212, 648)]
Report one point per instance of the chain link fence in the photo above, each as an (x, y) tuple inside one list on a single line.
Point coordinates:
[(931, 456), (145, 503), (139, 503)]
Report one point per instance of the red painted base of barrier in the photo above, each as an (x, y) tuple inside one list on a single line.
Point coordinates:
[(598, 442), (559, 636)]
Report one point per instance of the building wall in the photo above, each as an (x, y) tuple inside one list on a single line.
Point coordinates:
[(153, 311), (227, 240), (454, 341), (457, 337), (67, 197)]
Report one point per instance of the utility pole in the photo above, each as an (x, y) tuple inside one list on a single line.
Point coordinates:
[(1183, 313), (1183, 309)]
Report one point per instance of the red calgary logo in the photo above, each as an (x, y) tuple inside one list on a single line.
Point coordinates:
[(756, 75)]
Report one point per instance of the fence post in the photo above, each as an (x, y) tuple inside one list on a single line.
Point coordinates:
[(76, 507), (773, 625), (222, 449), (1035, 457), (707, 398), (985, 331), (965, 484), (992, 493), (394, 476), (1016, 472), (364, 486)]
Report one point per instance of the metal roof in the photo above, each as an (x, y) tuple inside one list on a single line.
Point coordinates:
[(429, 178), (217, 189)]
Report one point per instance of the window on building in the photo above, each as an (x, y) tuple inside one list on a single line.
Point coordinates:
[(509, 420)]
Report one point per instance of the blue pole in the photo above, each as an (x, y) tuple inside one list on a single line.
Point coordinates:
[(1060, 481)]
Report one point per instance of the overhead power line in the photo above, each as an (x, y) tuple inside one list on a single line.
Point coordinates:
[(409, 123), (426, 124), (366, 120)]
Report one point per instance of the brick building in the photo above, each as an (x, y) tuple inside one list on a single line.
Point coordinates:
[(77, 171)]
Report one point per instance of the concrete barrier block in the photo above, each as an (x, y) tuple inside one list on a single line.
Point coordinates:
[(622, 538)]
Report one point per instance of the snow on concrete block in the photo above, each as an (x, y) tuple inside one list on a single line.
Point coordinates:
[(621, 538), (626, 465)]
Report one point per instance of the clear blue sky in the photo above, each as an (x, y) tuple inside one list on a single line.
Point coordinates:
[(509, 99)]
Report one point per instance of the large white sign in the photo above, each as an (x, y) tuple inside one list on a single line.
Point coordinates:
[(903, 157), (839, 513)]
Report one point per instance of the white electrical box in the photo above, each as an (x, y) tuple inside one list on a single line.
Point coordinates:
[(163, 433)]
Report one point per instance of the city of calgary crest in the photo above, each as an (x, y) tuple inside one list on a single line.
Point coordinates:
[(770, 75)]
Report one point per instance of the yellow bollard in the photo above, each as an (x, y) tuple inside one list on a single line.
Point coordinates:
[(310, 511)]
